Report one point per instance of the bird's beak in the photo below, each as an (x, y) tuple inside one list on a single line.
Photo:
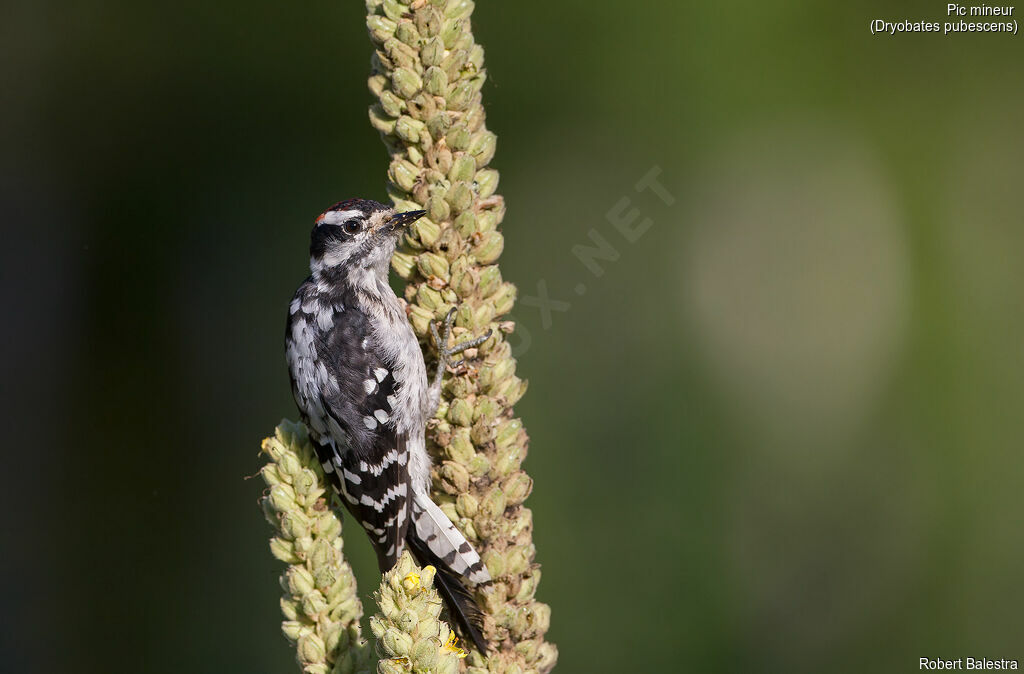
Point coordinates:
[(399, 220)]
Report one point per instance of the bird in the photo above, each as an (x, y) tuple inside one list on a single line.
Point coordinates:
[(360, 382)]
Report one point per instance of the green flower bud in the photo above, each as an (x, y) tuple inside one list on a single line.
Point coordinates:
[(489, 248), (322, 554), (463, 168), (512, 389), (451, 31), (400, 55), (507, 462), (299, 581), (447, 294), (456, 475), (482, 147), (490, 278), (517, 487), (454, 62), (493, 504), (293, 630), (476, 57), (414, 155), (428, 298), (438, 125), (282, 497), (310, 648), (289, 609), (486, 182), (325, 578), (465, 286), (458, 138), (333, 635), (403, 264), (448, 665), (448, 508), (483, 314), (527, 587), (424, 654), (459, 447), (405, 82), (377, 84), (435, 81), (527, 648), (393, 9), (494, 562), (271, 475), (547, 656), (508, 432), (307, 485), (426, 231), (437, 209), (380, 120), (396, 642), (313, 604), (377, 626), (393, 666), (407, 33), (504, 299), (479, 465), (465, 224), (461, 96), (381, 28), (392, 105), (407, 619), (459, 9), (284, 551), (409, 129), (487, 221), (485, 409), (420, 319), (432, 51), (288, 466), (467, 505), (303, 546), (499, 372), (540, 618), (403, 173), (428, 21), (460, 412), (432, 264), (295, 525), (460, 196), (465, 40)]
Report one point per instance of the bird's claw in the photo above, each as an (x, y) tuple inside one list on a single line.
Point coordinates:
[(444, 351)]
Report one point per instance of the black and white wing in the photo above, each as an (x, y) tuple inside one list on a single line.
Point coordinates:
[(351, 407)]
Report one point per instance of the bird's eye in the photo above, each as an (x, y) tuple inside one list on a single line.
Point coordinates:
[(351, 226)]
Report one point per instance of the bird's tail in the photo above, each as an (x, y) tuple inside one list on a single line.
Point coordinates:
[(434, 540)]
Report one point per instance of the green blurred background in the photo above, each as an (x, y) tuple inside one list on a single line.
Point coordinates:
[(780, 433)]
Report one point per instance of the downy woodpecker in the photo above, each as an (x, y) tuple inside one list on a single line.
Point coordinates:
[(360, 382)]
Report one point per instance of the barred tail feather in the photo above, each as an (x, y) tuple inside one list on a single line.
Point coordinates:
[(463, 610), (446, 542)]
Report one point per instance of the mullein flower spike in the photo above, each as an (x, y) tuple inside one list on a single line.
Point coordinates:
[(427, 73), (320, 604), (410, 635)]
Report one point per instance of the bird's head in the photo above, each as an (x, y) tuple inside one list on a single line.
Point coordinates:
[(357, 234)]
